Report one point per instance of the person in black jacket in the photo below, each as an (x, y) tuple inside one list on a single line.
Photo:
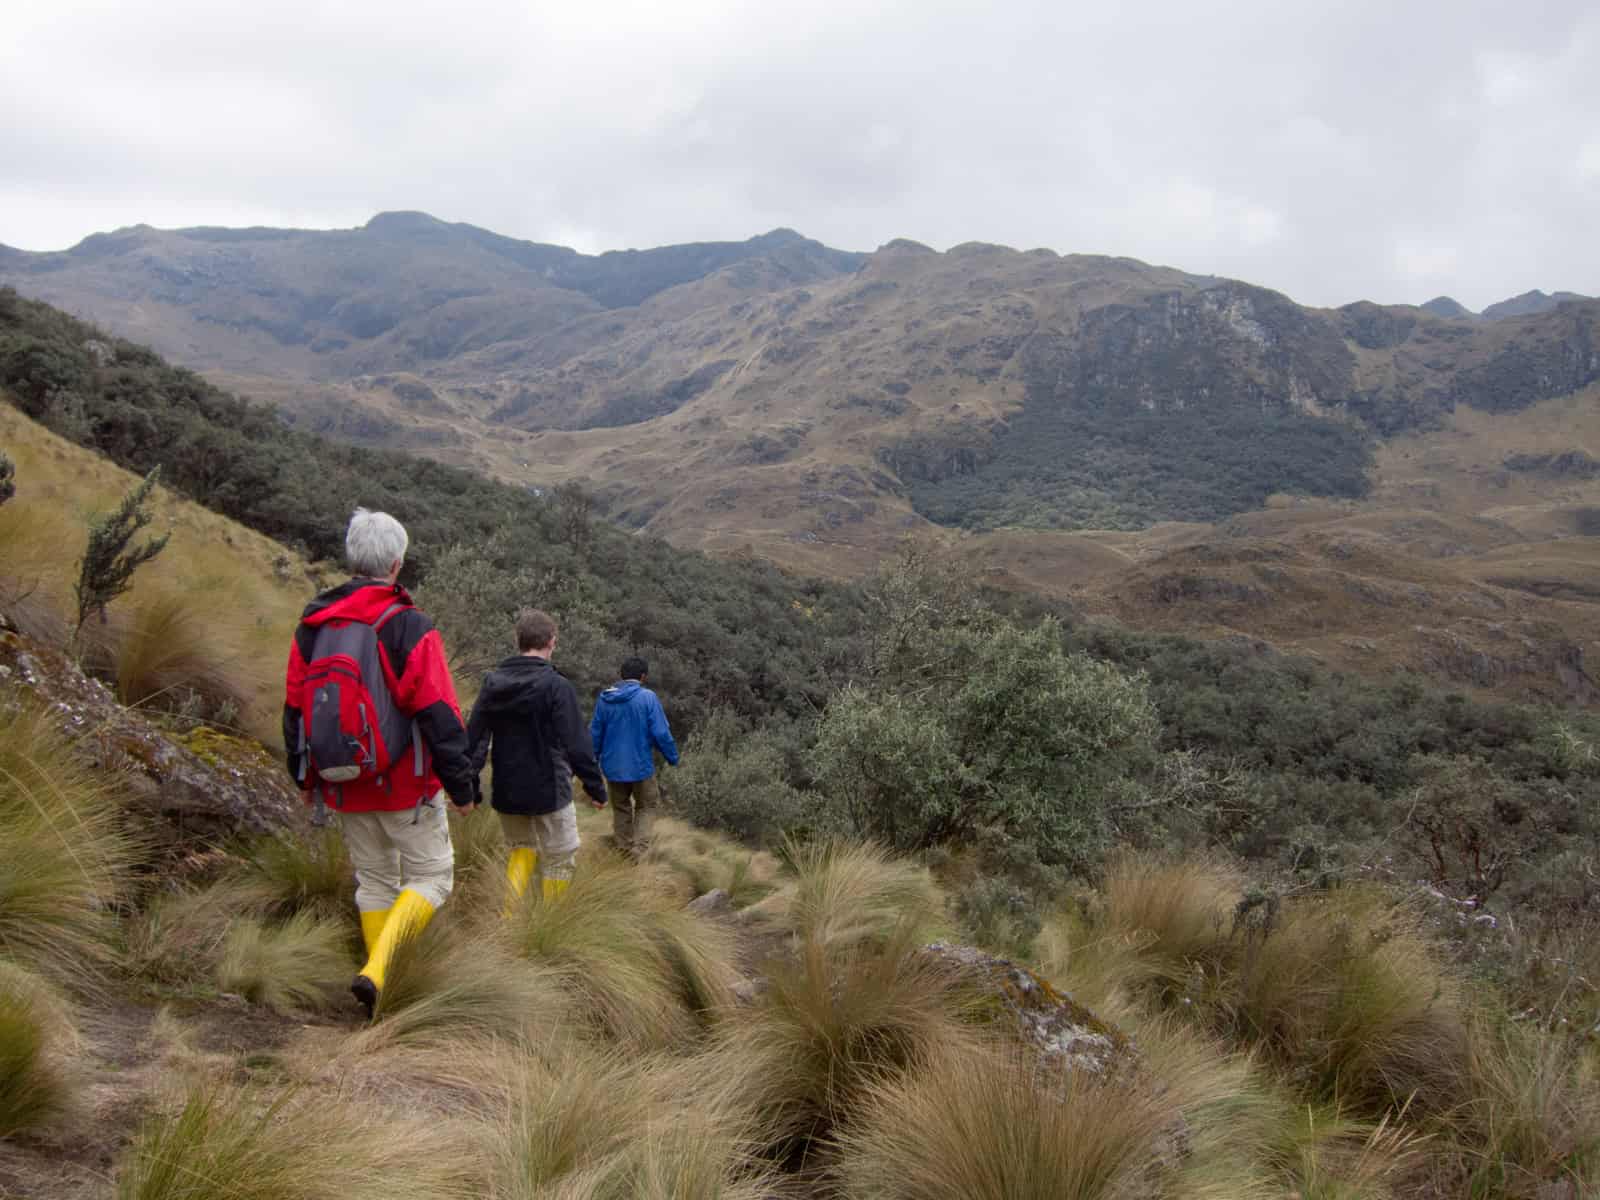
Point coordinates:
[(528, 713)]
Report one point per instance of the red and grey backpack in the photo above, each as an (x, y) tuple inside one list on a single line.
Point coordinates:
[(351, 730)]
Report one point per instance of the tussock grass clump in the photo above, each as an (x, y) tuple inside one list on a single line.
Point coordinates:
[(455, 982), (170, 647), (847, 893), (35, 1038), (235, 1143), (629, 955), (64, 852), (305, 871), (1341, 990), (177, 939), (300, 964), (479, 847), (602, 1125), (988, 1127), (31, 591), (705, 861), (832, 1023), (1532, 1116)]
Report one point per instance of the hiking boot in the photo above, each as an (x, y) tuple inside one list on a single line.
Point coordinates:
[(365, 992)]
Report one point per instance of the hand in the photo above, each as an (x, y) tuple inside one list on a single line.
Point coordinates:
[(597, 805)]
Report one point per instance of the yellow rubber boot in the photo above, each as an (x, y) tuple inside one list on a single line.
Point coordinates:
[(372, 926), (520, 867), (554, 887), (409, 916)]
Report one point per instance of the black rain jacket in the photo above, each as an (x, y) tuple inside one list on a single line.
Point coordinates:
[(528, 712)]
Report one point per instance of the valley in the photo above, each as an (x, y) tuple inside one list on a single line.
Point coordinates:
[(1378, 487)]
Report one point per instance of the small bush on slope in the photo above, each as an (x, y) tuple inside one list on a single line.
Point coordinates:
[(35, 1037), (64, 852), (236, 1143)]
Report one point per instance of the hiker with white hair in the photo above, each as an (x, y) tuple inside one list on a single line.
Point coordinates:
[(374, 732)]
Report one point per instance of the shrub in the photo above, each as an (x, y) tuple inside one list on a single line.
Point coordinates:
[(108, 563), (236, 1142), (734, 778), (1002, 729), (8, 478), (34, 1039), (301, 964)]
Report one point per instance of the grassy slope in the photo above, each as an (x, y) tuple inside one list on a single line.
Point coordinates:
[(251, 588)]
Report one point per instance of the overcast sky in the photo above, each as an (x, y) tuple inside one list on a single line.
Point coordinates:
[(1333, 149)]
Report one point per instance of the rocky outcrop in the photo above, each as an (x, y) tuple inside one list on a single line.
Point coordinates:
[(1065, 1034), (190, 787)]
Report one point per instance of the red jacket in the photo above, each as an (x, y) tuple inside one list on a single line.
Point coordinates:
[(418, 678)]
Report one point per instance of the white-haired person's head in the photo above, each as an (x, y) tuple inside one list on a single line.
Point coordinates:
[(375, 545)]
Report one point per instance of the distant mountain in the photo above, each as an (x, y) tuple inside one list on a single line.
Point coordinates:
[(1448, 308), (810, 404), (404, 290), (1528, 304)]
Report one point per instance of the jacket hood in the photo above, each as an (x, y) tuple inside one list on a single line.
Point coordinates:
[(514, 684), (621, 693), (359, 600)]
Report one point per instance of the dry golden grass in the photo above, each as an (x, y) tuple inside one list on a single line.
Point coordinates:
[(170, 650), (706, 860), (37, 1043), (641, 968), (65, 851), (248, 1145), (842, 894), (302, 964), (833, 1022), (989, 1127)]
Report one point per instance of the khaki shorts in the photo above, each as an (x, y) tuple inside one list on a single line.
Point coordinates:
[(552, 834)]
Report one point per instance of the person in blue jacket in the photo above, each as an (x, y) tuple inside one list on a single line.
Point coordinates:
[(628, 727)]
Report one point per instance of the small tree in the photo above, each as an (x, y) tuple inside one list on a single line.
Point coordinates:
[(109, 563), (8, 478)]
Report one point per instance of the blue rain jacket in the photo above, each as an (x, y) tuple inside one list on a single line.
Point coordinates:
[(628, 723)]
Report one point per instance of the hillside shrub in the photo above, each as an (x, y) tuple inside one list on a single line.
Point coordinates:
[(169, 654), (110, 559), (733, 778), (1014, 734)]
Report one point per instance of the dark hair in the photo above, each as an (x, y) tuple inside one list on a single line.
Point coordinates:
[(634, 667), (535, 629)]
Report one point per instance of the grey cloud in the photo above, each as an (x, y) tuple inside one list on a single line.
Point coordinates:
[(1331, 150)]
